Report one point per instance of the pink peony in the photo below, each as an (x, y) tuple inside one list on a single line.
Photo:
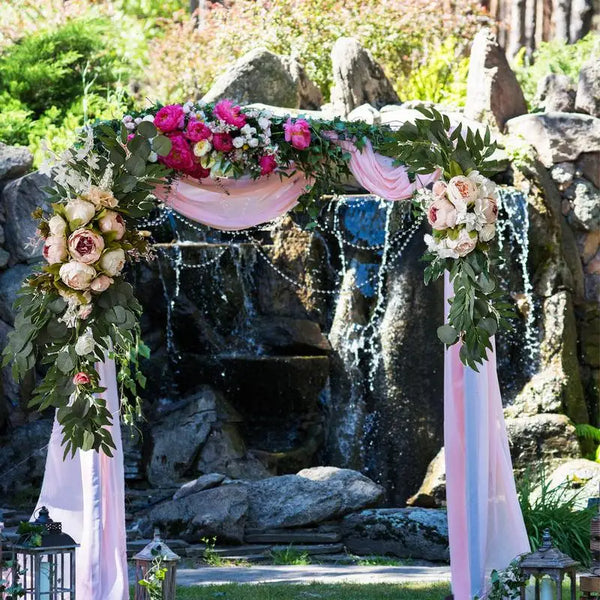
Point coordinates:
[(463, 244), (198, 171), (180, 157), (226, 111), (297, 133), (439, 188), (441, 214), (490, 210), (197, 131), (76, 275), (85, 311), (223, 142), (55, 249), (101, 284), (85, 245), (267, 164), (462, 191), (112, 222), (169, 118), (81, 378)]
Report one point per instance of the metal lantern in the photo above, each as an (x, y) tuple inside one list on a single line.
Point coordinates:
[(590, 584), (45, 571), (549, 566), (156, 564)]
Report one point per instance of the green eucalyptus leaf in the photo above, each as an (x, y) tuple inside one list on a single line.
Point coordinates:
[(161, 144), (147, 129), (447, 334)]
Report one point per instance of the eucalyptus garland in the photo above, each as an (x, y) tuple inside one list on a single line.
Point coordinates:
[(78, 309)]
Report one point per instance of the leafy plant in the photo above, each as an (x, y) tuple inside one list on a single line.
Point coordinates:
[(155, 576), (31, 534), (545, 506), (591, 434), (11, 590), (210, 555), (290, 556)]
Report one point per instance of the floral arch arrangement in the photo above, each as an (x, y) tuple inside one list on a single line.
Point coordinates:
[(78, 309)]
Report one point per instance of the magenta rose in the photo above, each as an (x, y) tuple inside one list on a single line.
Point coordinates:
[(226, 111), (267, 164), (180, 156), (223, 142), (441, 214), (85, 245), (297, 133), (197, 131), (81, 378), (169, 118)]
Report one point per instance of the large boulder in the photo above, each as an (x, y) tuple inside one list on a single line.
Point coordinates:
[(219, 512), (585, 202), (416, 533), (262, 76), (588, 89), (557, 136), (555, 93), (358, 78), (204, 482), (14, 161), (493, 92), (432, 493), (580, 476), (10, 283), (19, 199), (312, 496)]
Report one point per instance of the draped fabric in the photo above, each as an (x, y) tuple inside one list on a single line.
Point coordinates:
[(486, 527), (485, 522), (87, 494)]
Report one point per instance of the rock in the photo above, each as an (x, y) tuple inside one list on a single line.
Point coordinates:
[(178, 435), (556, 136), (581, 477), (299, 336), (555, 93), (204, 482), (14, 161), (10, 284), (358, 78), (432, 493), (294, 500), (581, 18), (543, 438), (4, 258), (585, 200), (219, 512), (365, 113), (589, 334), (9, 388), (261, 76), (563, 173), (19, 199), (588, 88), (493, 92), (589, 165), (415, 533)]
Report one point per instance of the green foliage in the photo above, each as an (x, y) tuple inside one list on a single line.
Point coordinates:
[(589, 433), (554, 507), (31, 534), (155, 576), (554, 57), (290, 556), (210, 555)]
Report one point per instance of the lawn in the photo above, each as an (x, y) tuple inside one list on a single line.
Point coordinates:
[(314, 591)]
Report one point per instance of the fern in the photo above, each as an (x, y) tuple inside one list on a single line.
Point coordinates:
[(588, 432)]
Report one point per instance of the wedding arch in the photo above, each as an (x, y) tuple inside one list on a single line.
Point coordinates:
[(231, 168)]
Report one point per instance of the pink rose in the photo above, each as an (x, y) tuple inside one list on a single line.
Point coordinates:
[(169, 118), (77, 275), (81, 378), (55, 249), (101, 283), (198, 172), (297, 133), (226, 111), (462, 191), (112, 222), (267, 164), (85, 245), (441, 214), (463, 244), (197, 131), (85, 310), (180, 157), (439, 188), (223, 142)]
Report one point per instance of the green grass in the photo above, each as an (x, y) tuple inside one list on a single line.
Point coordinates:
[(315, 592)]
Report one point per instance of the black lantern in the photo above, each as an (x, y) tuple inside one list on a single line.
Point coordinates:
[(156, 570), (549, 564), (44, 560)]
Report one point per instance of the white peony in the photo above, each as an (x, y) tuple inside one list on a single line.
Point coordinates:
[(238, 142), (76, 275), (57, 225), (85, 343), (79, 212), (253, 142), (487, 232), (264, 123), (112, 262)]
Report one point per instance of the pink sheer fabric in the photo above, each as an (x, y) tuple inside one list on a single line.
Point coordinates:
[(485, 522), (87, 494)]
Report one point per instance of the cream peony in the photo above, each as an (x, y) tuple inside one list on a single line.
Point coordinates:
[(112, 262), (202, 148), (55, 249), (101, 284), (112, 222), (487, 232), (85, 245), (462, 191), (76, 275), (85, 343), (439, 188), (441, 214), (100, 197), (490, 209), (57, 225), (464, 243), (79, 212)]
